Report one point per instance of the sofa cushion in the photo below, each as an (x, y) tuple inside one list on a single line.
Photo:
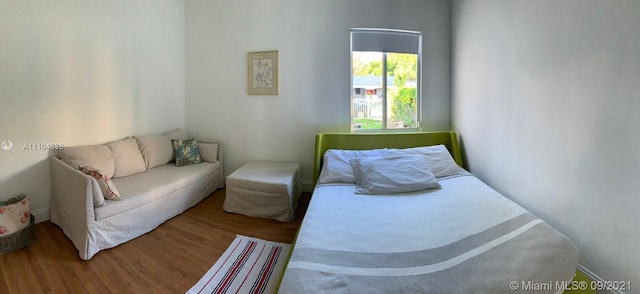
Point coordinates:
[(143, 188), (186, 151), (97, 156), (208, 151), (156, 150), (127, 157), (177, 134)]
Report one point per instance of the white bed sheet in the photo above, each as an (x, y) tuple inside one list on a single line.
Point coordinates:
[(463, 238), (375, 223)]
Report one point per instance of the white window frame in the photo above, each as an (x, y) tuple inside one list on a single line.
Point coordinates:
[(384, 128)]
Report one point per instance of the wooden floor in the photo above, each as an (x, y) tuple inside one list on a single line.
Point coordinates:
[(170, 259)]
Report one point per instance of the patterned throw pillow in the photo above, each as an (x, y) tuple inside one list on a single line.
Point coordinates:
[(186, 151), (109, 190), (14, 215)]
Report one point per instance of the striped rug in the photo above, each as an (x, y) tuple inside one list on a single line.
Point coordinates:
[(249, 265)]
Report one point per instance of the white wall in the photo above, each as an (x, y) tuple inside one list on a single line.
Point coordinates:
[(312, 38), (546, 97), (82, 72)]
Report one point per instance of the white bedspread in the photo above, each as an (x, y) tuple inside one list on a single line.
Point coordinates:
[(462, 238)]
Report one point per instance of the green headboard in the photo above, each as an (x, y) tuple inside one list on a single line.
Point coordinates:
[(364, 141)]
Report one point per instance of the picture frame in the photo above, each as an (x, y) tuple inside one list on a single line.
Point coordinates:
[(262, 73)]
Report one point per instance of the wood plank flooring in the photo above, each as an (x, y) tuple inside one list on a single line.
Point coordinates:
[(169, 259)]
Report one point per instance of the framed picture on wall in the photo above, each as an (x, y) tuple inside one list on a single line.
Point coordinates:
[(262, 76)]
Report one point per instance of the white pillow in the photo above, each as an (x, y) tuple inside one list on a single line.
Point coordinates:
[(208, 151), (156, 150), (127, 157), (438, 157), (177, 134), (98, 156), (388, 175), (336, 164)]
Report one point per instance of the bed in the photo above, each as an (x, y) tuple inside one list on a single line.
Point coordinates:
[(462, 237)]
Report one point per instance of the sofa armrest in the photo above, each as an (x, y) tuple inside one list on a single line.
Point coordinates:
[(73, 195)]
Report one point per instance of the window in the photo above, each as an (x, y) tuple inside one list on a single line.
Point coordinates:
[(385, 79)]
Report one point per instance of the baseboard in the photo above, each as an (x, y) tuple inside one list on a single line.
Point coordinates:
[(41, 214), (595, 277), (307, 186)]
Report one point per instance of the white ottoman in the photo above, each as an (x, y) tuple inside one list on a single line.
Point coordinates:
[(264, 189)]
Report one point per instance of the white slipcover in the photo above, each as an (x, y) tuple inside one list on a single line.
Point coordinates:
[(160, 194), (264, 189)]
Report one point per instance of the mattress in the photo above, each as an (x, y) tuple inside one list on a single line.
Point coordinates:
[(462, 238)]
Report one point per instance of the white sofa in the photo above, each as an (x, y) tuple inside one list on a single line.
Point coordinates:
[(151, 194)]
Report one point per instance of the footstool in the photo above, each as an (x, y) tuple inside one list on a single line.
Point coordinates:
[(264, 189)]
